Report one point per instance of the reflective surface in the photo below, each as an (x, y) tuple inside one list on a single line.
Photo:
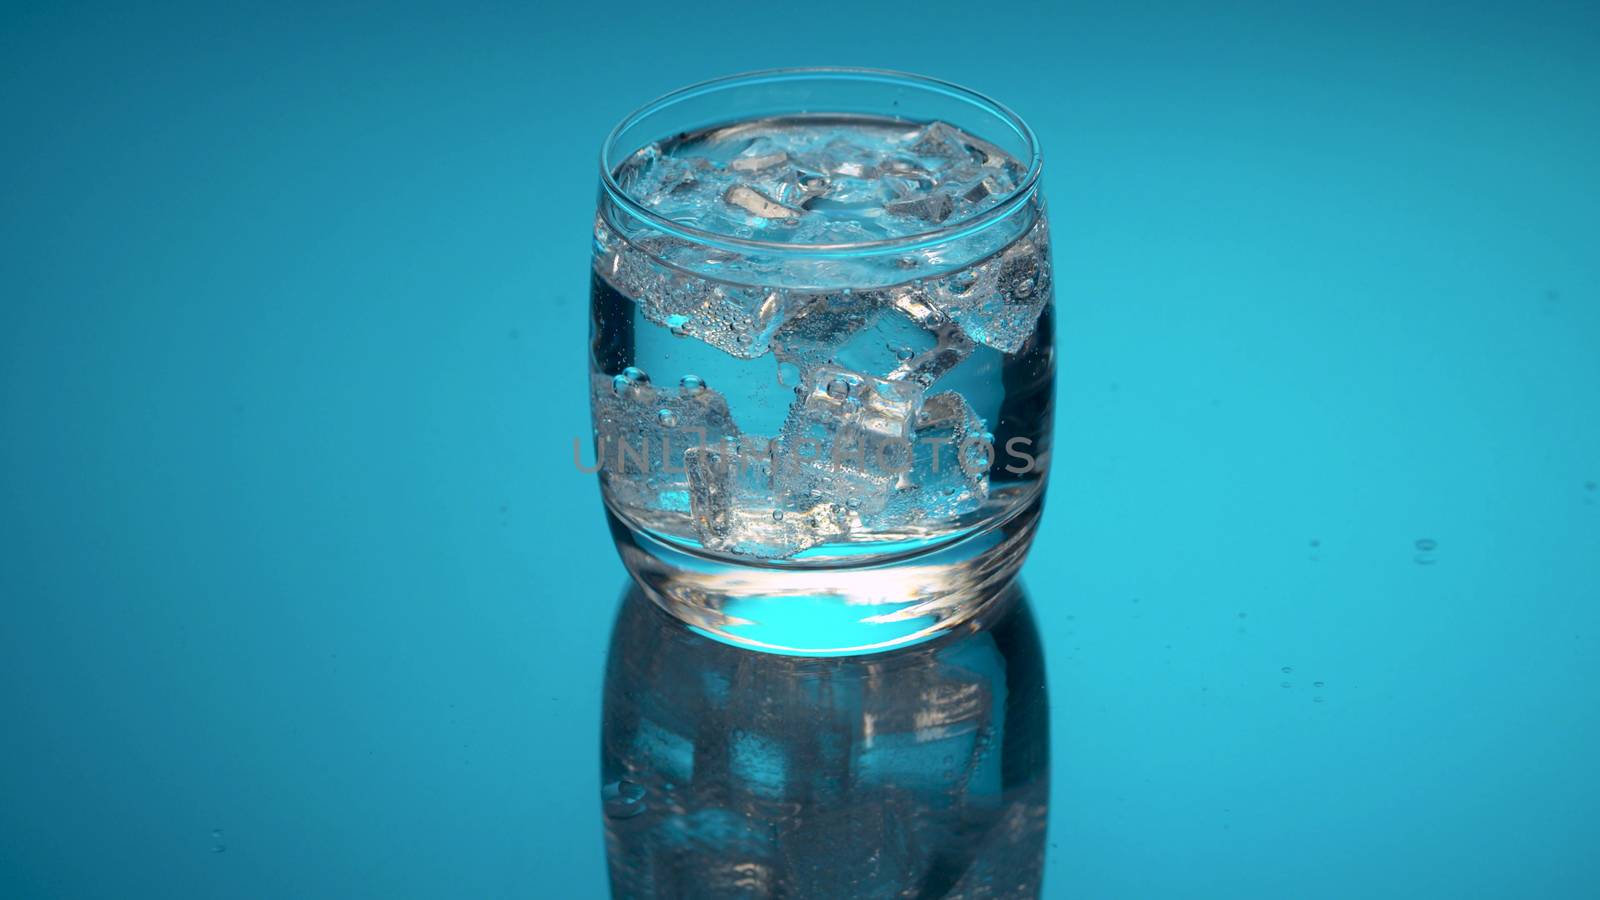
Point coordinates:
[(922, 772)]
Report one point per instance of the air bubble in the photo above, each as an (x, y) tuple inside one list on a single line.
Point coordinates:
[(666, 417), (678, 325), (627, 380), (838, 389), (622, 799), (691, 384)]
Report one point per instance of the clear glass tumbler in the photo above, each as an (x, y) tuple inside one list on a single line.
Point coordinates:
[(821, 359)]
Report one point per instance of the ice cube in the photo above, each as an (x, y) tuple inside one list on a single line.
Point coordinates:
[(894, 333), (956, 148), (997, 302), (982, 190), (939, 141), (737, 319), (802, 186), (734, 509), (758, 163), (760, 205), (643, 431), (949, 473), (950, 344), (933, 208), (820, 324), (846, 438)]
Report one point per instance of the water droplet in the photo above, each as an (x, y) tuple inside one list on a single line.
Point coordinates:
[(838, 389), (853, 502), (622, 799), (777, 515), (627, 380), (691, 384), (1316, 684), (1425, 548), (904, 354), (1287, 670), (666, 417), (1023, 289), (923, 378)]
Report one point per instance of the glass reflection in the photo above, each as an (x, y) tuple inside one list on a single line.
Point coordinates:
[(922, 772)]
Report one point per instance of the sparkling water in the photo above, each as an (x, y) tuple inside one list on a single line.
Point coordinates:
[(765, 393)]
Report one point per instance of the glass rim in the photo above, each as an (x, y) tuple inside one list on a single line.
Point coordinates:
[(1013, 200)]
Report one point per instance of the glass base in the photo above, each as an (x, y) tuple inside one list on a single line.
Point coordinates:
[(834, 610)]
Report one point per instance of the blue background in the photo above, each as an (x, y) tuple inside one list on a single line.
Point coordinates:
[(292, 325)]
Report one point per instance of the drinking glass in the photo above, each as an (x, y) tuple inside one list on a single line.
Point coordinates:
[(821, 355)]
